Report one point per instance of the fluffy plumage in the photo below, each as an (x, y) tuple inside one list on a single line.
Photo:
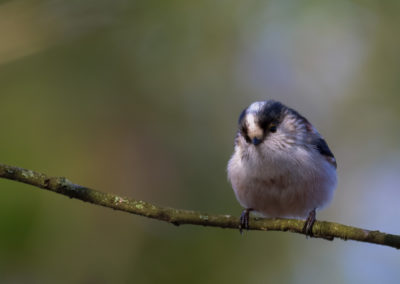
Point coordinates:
[(281, 165)]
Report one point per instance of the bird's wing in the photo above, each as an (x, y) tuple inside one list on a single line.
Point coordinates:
[(322, 147)]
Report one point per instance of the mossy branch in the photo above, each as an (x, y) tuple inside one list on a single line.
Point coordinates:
[(321, 229)]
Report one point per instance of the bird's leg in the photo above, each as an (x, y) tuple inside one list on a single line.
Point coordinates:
[(244, 219), (308, 225)]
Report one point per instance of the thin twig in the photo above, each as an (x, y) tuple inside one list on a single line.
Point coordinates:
[(321, 229)]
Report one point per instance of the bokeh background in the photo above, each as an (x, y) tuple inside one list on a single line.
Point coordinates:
[(141, 98)]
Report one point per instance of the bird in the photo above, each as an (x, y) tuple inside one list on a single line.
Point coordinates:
[(281, 166)]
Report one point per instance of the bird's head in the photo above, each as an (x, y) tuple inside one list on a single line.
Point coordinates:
[(269, 125)]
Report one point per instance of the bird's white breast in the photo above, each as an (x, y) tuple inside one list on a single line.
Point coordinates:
[(287, 183)]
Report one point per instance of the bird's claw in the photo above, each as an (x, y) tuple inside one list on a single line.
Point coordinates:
[(308, 225), (245, 220)]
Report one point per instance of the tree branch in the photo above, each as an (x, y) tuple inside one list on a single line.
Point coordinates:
[(321, 229)]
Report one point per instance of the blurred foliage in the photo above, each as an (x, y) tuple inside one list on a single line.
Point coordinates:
[(141, 98)]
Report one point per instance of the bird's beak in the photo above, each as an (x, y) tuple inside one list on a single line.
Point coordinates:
[(256, 141)]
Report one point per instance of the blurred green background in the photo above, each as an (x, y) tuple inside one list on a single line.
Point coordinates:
[(141, 98)]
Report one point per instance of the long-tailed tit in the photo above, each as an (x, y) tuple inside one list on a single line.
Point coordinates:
[(281, 165)]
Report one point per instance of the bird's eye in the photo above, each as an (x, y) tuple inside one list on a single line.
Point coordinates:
[(273, 128)]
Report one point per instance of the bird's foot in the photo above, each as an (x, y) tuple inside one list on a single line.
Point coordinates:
[(308, 225), (244, 220)]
